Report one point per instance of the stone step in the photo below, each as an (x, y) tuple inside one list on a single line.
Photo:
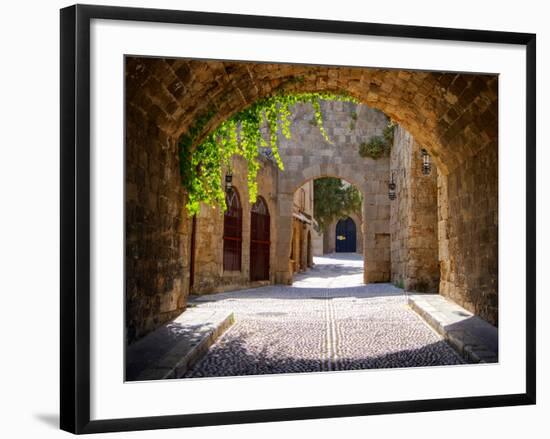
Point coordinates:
[(472, 337), (169, 351)]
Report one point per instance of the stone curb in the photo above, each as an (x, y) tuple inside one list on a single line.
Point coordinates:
[(175, 363), (467, 345)]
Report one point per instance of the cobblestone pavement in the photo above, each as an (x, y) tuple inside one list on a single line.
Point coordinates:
[(327, 320)]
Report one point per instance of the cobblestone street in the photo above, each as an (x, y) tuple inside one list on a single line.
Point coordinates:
[(327, 320)]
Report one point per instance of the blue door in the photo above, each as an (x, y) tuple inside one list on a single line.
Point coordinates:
[(345, 236)]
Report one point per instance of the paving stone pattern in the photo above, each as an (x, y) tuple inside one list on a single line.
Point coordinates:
[(326, 321)]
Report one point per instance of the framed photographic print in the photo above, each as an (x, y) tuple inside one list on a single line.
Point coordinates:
[(268, 218)]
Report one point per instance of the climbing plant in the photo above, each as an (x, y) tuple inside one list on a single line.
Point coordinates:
[(379, 146), (333, 199), (201, 163)]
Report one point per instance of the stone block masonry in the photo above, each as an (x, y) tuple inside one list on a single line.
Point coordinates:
[(472, 337), (453, 115), (209, 274), (468, 235), (339, 158), (413, 223)]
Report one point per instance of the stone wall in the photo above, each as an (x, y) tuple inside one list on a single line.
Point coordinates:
[(317, 243), (157, 228), (468, 234), (413, 223), (210, 276), (307, 155)]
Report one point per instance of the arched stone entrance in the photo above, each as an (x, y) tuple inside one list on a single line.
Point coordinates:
[(435, 108), (453, 116), (309, 156)]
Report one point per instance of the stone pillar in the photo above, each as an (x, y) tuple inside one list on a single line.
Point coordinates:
[(282, 250), (375, 223)]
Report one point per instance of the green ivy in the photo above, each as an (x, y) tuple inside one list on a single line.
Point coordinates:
[(379, 146), (201, 164), (334, 200)]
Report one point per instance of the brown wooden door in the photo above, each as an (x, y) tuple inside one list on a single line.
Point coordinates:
[(259, 241), (232, 232)]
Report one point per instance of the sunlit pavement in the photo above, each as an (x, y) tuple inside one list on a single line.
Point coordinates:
[(328, 320)]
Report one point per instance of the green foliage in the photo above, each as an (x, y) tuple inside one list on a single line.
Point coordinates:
[(379, 146), (400, 284), (333, 200), (201, 163), (375, 148), (388, 132)]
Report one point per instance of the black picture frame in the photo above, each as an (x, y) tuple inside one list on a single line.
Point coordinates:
[(75, 217)]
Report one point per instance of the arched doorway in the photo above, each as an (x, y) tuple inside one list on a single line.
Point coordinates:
[(259, 240), (453, 115), (346, 232), (232, 232)]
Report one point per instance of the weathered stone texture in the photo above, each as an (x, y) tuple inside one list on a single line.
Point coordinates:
[(468, 234), (308, 155), (441, 110), (157, 228), (454, 116), (317, 246), (414, 245)]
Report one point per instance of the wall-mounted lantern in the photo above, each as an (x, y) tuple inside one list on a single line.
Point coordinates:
[(426, 165), (228, 181), (391, 188)]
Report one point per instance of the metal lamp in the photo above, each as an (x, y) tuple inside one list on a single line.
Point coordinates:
[(228, 181), (426, 165), (391, 188)]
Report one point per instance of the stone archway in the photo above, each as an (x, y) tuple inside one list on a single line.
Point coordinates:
[(308, 156), (453, 116)]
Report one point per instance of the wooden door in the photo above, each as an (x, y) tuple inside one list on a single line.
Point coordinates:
[(259, 241), (346, 236), (232, 232)]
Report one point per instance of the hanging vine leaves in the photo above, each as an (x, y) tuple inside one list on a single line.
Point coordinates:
[(201, 165), (379, 146)]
